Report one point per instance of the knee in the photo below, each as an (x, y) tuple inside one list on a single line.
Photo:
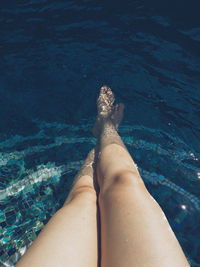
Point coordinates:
[(122, 180), (83, 193), (126, 178)]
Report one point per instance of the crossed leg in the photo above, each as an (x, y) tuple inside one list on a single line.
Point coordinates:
[(134, 229), (70, 237)]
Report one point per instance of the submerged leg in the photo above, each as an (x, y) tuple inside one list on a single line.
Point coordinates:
[(70, 237), (134, 229)]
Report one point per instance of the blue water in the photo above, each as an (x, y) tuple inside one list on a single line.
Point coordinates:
[(54, 56)]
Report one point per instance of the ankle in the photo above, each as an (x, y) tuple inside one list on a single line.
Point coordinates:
[(108, 127)]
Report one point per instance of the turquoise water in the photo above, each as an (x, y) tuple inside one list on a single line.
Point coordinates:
[(54, 57), (37, 172)]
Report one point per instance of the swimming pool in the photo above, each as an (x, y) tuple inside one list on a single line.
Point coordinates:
[(54, 58)]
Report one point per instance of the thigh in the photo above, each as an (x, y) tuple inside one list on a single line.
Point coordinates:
[(69, 238), (135, 231)]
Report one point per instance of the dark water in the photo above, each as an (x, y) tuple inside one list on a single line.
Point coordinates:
[(53, 59)]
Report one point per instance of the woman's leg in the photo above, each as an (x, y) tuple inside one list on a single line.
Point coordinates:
[(70, 237), (134, 229)]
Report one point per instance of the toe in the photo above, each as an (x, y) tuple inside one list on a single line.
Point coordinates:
[(104, 89)]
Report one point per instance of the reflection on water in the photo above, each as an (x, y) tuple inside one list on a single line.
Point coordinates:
[(54, 57)]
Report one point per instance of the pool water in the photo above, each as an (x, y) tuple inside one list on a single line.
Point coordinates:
[(54, 58)]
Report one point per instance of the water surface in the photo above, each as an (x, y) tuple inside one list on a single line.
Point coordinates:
[(54, 57)]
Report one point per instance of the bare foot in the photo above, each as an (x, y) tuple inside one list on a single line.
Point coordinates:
[(107, 112), (105, 102), (117, 115)]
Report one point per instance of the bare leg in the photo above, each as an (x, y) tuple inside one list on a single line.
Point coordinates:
[(70, 237), (134, 229)]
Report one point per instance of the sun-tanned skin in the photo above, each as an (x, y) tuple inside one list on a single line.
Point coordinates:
[(134, 229)]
